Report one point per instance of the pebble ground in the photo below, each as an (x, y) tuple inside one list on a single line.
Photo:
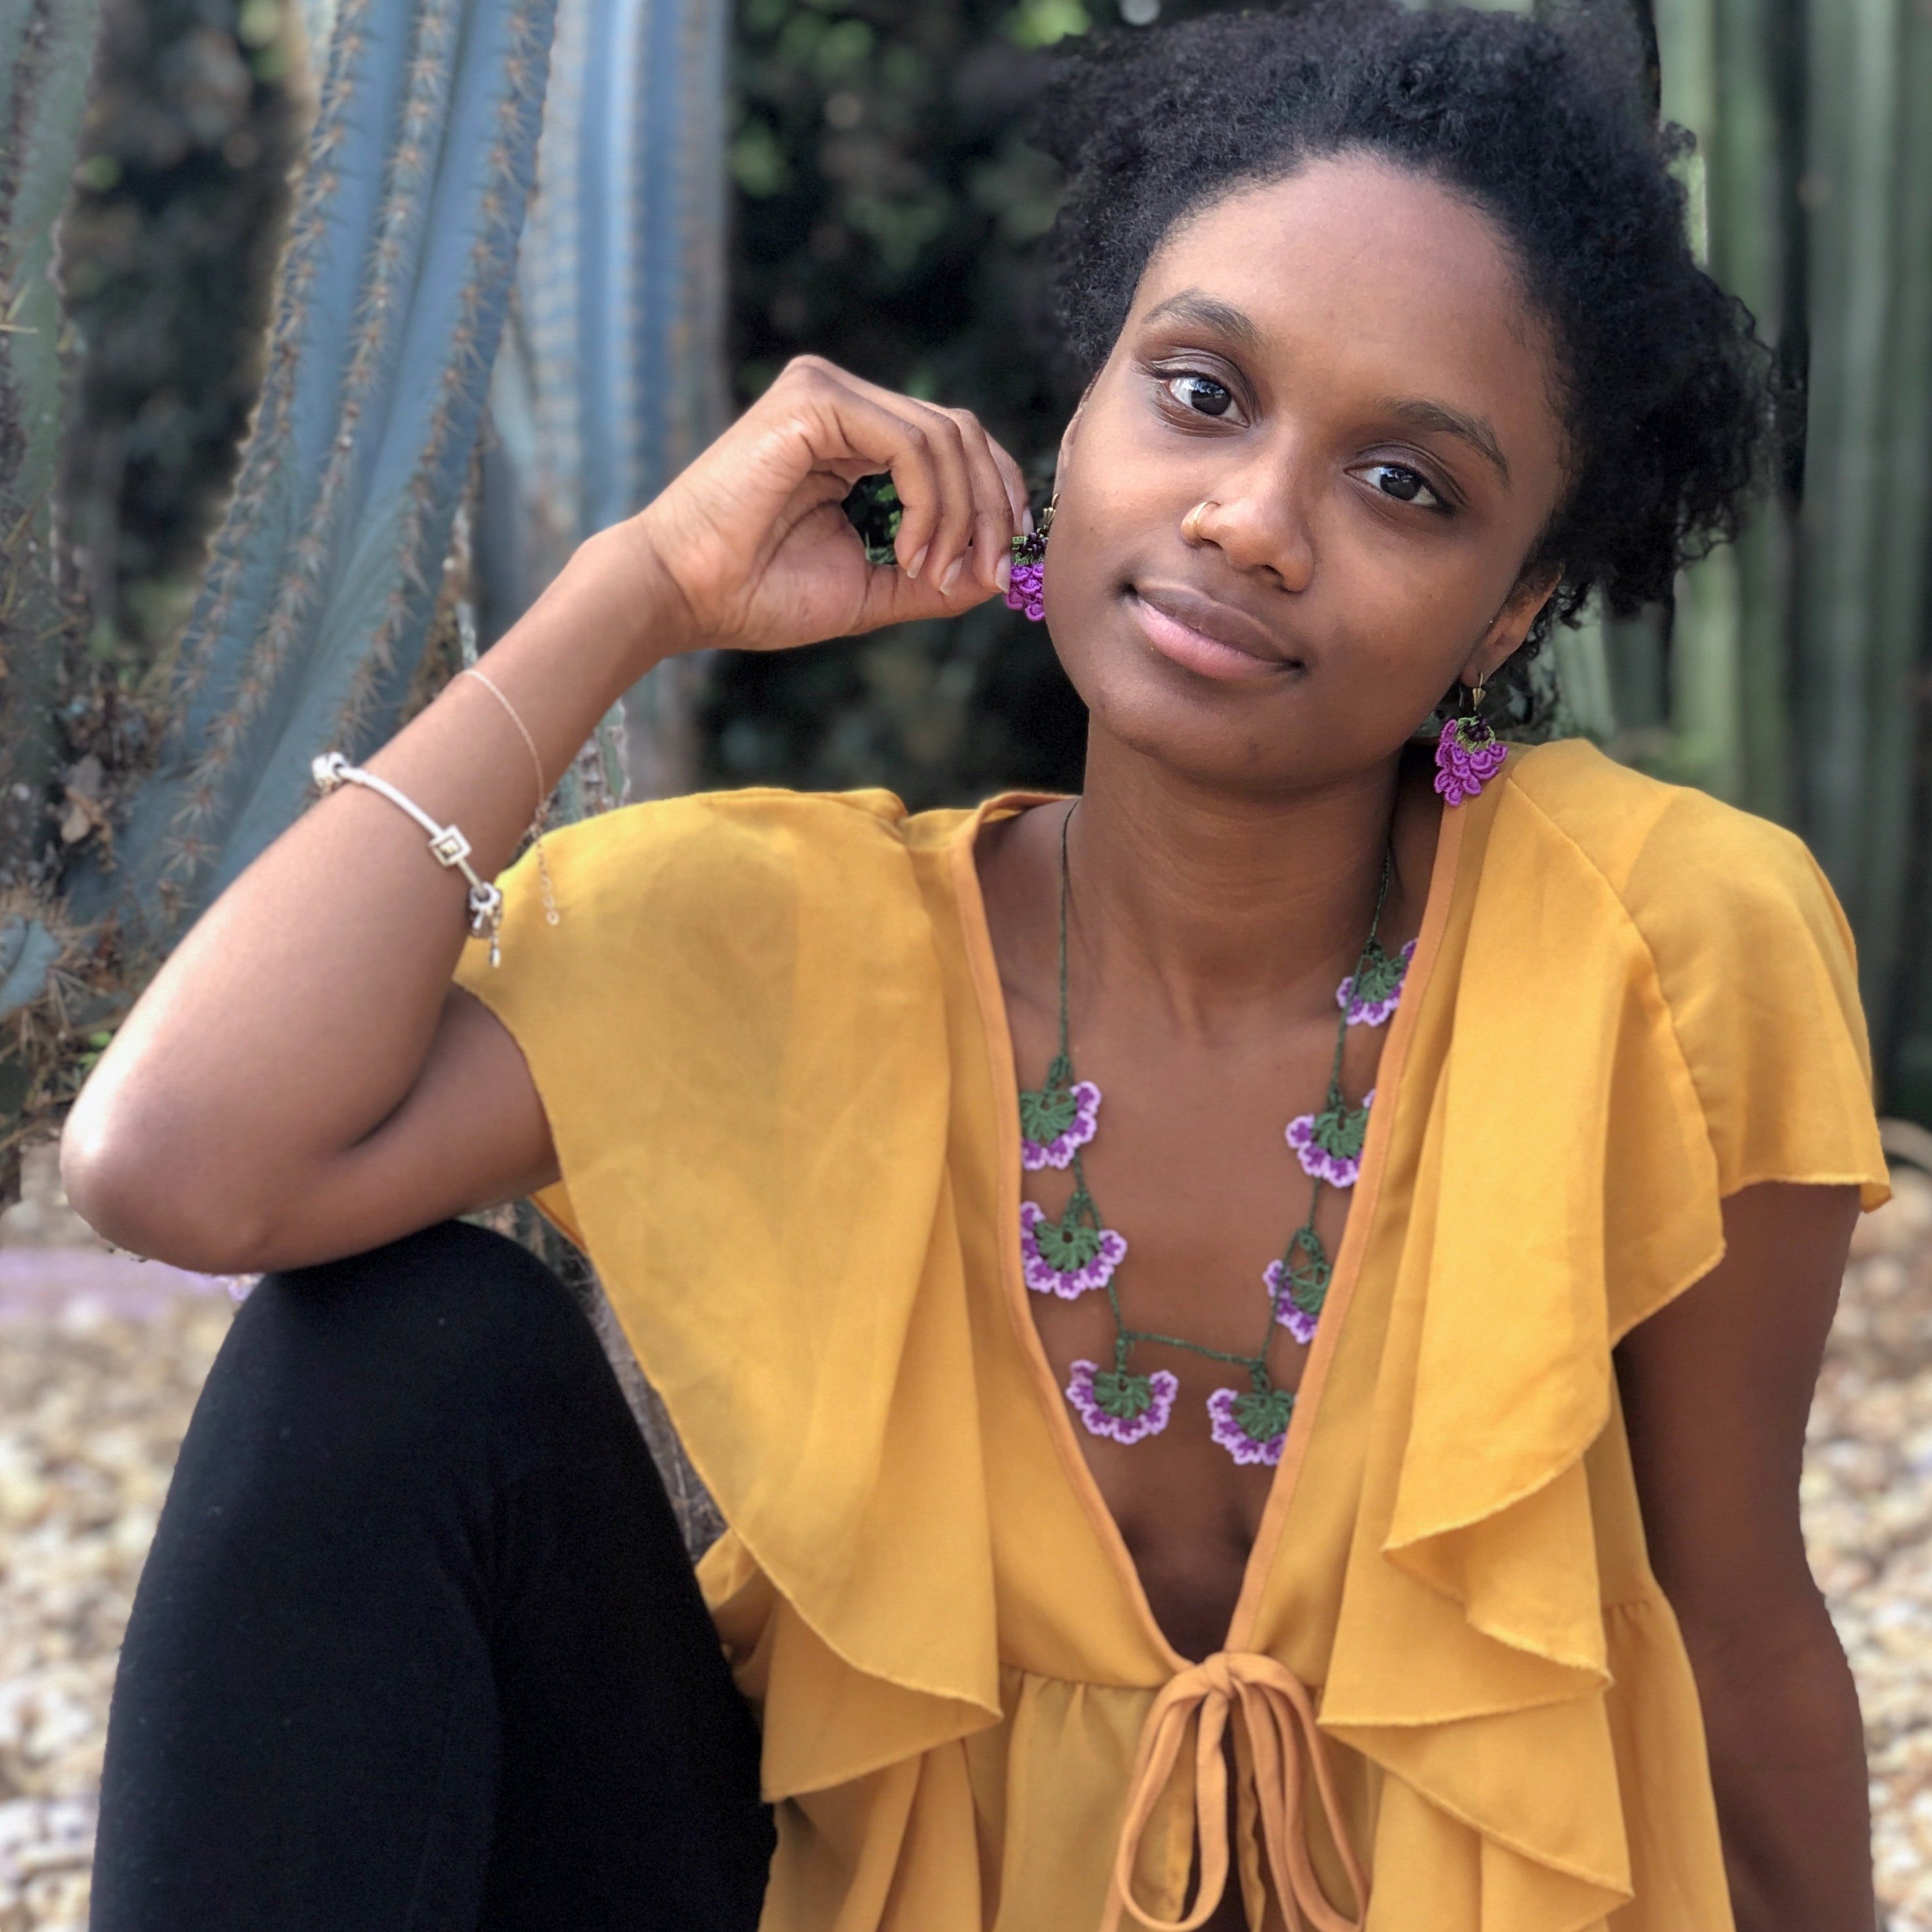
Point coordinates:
[(101, 1360)]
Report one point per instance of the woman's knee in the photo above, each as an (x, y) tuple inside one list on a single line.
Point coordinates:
[(451, 1346)]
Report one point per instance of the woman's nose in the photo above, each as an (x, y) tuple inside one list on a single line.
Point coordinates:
[(1260, 523)]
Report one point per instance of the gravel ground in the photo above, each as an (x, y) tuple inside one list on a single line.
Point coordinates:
[(101, 1359)]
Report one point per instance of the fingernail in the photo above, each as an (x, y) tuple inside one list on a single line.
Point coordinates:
[(1003, 573), (951, 576), (919, 561)]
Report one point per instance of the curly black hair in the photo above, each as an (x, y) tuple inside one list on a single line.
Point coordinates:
[(1665, 391)]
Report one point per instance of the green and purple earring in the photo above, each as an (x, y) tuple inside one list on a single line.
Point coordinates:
[(1027, 590)]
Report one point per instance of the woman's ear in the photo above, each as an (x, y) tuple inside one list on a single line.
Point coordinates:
[(1504, 636), (1070, 435)]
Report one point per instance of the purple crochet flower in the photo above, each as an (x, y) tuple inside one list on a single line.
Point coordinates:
[(1251, 1427), (1127, 1409), (1056, 1259), (1381, 975), (1287, 1311), (1329, 1144), (1467, 757), (1026, 590), (1055, 1120)]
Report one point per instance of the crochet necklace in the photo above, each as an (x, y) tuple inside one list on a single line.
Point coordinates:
[(1079, 1253)]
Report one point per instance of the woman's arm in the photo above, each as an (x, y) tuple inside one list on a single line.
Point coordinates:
[(1716, 1389), (299, 1081)]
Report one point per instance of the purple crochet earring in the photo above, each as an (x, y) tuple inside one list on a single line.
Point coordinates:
[(1467, 753), (1026, 590)]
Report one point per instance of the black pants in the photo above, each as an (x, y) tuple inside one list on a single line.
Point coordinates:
[(418, 1646)]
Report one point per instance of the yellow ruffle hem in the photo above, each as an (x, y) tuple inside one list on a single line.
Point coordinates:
[(769, 1035)]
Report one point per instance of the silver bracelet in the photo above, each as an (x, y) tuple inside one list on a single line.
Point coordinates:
[(447, 845)]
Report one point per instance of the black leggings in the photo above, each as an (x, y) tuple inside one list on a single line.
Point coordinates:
[(418, 1645)]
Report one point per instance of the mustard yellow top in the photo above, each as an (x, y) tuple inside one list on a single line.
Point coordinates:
[(769, 1037)]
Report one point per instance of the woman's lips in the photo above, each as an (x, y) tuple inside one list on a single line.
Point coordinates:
[(1202, 636)]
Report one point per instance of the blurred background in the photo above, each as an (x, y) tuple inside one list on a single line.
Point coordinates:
[(328, 327)]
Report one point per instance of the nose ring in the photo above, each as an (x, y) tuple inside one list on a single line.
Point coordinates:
[(1190, 524)]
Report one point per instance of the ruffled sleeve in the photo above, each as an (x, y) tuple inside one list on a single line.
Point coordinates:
[(737, 1031), (1755, 964), (1646, 1001)]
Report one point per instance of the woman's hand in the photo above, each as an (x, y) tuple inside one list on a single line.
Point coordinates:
[(752, 540)]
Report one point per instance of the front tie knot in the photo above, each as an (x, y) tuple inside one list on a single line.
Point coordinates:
[(1275, 1708)]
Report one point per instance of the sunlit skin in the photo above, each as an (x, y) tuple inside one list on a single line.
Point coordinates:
[(1342, 368)]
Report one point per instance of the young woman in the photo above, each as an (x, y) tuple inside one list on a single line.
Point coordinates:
[(1253, 1330)]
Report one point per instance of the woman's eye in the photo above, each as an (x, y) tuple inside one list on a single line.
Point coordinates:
[(1201, 393), (1405, 485)]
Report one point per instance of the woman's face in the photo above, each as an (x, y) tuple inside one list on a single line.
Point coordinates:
[(1343, 368)]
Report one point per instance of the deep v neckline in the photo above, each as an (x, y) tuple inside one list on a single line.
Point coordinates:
[(998, 1034)]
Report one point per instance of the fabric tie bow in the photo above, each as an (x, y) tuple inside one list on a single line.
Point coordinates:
[(1273, 1706)]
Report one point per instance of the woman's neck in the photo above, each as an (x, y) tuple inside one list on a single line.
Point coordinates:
[(1219, 908)]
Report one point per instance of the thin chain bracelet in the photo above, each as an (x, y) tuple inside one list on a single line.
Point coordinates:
[(537, 824)]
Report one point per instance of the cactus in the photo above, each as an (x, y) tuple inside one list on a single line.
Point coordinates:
[(612, 380), (45, 49), (1861, 635), (309, 625)]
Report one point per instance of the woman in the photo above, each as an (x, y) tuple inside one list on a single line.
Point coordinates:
[(1077, 1452)]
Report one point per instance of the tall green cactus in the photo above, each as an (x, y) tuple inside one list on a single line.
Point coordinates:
[(45, 46), (45, 49), (1861, 211), (309, 626), (1884, 842), (613, 380)]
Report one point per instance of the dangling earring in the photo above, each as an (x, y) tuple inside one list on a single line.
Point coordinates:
[(1467, 753), (1026, 590)]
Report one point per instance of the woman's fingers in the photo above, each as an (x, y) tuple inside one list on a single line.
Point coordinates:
[(952, 535), (981, 500), (994, 516), (754, 551)]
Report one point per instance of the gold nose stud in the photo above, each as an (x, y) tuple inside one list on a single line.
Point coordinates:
[(1190, 524)]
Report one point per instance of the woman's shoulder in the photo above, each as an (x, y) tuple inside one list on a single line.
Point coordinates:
[(739, 821), (1735, 952), (708, 852), (1690, 872)]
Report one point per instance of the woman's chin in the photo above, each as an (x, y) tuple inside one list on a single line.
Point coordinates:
[(1210, 746)]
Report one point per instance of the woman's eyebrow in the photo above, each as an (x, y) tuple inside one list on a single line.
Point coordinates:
[(1474, 431), (1204, 311)]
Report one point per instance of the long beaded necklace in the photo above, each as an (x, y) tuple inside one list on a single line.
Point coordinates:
[(1077, 1253)]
